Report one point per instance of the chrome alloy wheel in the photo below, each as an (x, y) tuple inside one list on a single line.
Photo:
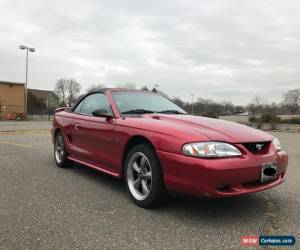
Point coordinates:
[(59, 148), (139, 176)]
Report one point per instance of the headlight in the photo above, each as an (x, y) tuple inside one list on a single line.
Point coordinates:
[(210, 149), (277, 144)]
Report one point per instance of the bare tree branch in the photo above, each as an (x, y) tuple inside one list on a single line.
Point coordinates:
[(61, 90), (292, 100), (73, 88), (67, 90)]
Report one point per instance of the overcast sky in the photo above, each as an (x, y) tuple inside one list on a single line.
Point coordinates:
[(223, 50)]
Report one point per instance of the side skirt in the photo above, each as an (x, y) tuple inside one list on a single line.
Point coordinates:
[(95, 167)]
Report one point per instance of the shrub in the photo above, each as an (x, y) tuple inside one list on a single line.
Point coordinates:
[(293, 120), (253, 119), (211, 115), (270, 118)]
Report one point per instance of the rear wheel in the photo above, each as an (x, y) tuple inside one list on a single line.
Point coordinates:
[(60, 151), (143, 176)]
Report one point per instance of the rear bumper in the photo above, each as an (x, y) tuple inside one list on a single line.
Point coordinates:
[(219, 177)]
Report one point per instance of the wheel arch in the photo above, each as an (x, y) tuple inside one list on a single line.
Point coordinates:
[(59, 130), (56, 131), (133, 141)]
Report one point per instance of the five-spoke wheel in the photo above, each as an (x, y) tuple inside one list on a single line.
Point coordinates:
[(139, 176), (144, 177)]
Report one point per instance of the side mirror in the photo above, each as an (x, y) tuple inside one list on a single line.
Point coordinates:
[(102, 113)]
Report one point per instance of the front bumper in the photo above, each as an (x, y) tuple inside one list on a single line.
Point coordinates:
[(219, 177)]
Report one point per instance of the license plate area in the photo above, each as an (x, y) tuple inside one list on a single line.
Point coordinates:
[(268, 171)]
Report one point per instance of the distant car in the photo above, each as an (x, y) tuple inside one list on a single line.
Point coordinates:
[(158, 148)]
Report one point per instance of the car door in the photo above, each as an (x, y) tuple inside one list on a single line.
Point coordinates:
[(92, 136)]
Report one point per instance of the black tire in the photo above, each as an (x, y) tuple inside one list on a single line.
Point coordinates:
[(157, 192), (60, 151)]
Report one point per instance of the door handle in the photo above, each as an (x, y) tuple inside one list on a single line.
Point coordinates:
[(76, 126)]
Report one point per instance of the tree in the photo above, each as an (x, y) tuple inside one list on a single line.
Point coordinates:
[(61, 91), (73, 91), (238, 109), (292, 100), (67, 90), (257, 105), (227, 108), (271, 108)]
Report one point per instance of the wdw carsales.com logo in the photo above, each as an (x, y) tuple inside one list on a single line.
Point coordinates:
[(268, 240), (249, 240)]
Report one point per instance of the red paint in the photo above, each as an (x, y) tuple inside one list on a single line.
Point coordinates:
[(100, 143)]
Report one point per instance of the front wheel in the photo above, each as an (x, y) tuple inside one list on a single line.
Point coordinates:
[(60, 151), (143, 176)]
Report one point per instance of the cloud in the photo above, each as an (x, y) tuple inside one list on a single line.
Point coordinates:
[(231, 49)]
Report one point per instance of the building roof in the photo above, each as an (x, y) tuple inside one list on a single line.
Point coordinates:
[(40, 94), (9, 82)]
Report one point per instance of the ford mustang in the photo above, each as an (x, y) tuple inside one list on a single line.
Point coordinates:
[(157, 148)]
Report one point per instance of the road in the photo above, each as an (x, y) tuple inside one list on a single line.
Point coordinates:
[(6, 126), (44, 207)]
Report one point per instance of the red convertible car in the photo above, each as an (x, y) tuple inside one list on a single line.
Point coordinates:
[(157, 148)]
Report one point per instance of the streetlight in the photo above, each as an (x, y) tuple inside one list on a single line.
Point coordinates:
[(192, 103), (26, 79)]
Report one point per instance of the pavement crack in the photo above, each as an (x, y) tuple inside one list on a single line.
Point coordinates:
[(272, 217)]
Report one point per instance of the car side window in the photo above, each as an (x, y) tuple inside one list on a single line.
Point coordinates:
[(78, 107), (95, 102)]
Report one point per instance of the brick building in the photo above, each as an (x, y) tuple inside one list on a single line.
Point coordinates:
[(12, 100)]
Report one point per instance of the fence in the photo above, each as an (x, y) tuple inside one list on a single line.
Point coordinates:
[(16, 112), (40, 114)]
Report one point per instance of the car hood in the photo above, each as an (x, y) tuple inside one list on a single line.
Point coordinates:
[(213, 129)]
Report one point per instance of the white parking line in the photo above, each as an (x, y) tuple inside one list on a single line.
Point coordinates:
[(15, 144), (44, 131)]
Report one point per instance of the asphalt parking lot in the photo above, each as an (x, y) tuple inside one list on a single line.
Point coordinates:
[(44, 207)]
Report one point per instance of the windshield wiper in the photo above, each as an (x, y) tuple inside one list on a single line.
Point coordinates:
[(171, 111), (146, 111), (138, 111)]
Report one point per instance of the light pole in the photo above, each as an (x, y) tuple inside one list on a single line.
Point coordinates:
[(26, 77), (192, 103)]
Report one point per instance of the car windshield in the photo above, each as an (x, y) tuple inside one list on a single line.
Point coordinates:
[(130, 102)]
